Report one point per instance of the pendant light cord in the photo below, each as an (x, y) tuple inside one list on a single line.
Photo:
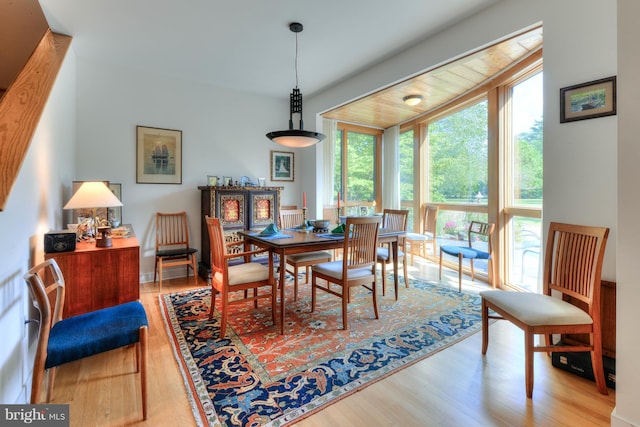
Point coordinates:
[(296, 61)]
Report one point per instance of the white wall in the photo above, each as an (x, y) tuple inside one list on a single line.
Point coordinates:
[(223, 133), (628, 290), (33, 208)]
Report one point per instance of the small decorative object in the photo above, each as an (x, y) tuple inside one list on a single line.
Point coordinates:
[(261, 182), (282, 165), (213, 180), (103, 239), (588, 100), (245, 181), (227, 181), (158, 156), (303, 226), (114, 214)]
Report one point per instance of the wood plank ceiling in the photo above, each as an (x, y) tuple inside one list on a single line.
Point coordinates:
[(439, 86)]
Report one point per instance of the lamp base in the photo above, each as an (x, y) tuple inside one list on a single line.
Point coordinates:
[(103, 240)]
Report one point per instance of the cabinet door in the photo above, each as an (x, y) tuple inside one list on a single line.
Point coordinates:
[(263, 208), (231, 208)]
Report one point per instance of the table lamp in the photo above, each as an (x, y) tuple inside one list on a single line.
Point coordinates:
[(94, 195)]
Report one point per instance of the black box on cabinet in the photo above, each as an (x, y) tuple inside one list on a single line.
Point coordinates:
[(60, 241), (579, 363)]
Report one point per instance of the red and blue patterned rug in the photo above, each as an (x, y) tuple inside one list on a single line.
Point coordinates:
[(257, 377)]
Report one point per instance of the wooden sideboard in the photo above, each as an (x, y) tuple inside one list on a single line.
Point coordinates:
[(97, 278), (238, 208)]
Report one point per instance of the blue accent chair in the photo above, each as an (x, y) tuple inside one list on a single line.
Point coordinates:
[(65, 340), (478, 231)]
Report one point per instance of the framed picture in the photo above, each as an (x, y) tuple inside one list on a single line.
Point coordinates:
[(213, 180), (282, 165), (588, 100), (114, 215), (158, 156), (227, 181)]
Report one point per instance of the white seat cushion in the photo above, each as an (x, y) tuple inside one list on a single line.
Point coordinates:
[(536, 309), (383, 253), (334, 269), (309, 256), (419, 237), (245, 273)]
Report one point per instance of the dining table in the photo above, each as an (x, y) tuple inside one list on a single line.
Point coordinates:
[(295, 241)]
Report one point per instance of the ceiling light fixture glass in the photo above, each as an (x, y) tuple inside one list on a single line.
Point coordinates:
[(295, 138), (412, 99)]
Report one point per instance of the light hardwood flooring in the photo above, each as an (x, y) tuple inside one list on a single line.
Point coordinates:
[(454, 387)]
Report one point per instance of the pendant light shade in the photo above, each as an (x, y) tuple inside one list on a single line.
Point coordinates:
[(295, 138)]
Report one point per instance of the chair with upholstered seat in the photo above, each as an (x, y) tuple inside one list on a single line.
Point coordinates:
[(294, 218), (420, 241), (357, 267), (172, 245), (226, 279), (397, 220), (478, 232), (572, 273), (62, 341)]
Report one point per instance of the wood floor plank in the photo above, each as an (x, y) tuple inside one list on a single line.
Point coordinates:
[(456, 386)]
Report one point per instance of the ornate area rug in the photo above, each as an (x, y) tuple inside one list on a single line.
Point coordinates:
[(256, 377)]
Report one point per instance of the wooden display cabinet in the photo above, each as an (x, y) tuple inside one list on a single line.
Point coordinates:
[(97, 278), (238, 208)]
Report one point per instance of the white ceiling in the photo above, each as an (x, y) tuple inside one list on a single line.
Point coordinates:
[(246, 44)]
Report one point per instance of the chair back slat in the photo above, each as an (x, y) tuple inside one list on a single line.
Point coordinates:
[(395, 219), (481, 231), (290, 218), (171, 231), (430, 219), (217, 243), (360, 246), (573, 261)]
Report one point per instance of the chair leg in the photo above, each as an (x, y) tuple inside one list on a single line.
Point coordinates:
[(345, 296), (460, 272), (596, 363), (404, 270), (142, 360), (375, 298), (485, 326), (213, 303), (51, 379), (313, 292), (160, 276), (155, 270), (528, 361), (225, 311), (295, 283), (440, 275), (194, 267), (383, 266)]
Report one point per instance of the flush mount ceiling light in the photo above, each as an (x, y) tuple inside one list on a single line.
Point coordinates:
[(295, 138), (412, 99)]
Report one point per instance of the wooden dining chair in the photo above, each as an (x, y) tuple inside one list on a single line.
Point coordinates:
[(226, 279), (172, 245), (572, 272), (357, 267), (293, 218), (393, 219), (476, 233), (62, 341), (418, 242)]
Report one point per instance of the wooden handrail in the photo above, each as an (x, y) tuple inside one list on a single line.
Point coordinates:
[(22, 105)]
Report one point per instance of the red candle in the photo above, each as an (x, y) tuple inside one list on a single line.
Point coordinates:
[(304, 199), (338, 200)]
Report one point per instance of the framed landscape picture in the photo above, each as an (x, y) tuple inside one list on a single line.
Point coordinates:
[(588, 100), (158, 156), (282, 165)]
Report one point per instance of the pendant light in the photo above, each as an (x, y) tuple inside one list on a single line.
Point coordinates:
[(295, 138)]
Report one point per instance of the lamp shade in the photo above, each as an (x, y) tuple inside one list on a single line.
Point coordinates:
[(412, 99), (295, 138), (93, 194)]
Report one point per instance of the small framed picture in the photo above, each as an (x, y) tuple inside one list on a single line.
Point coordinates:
[(261, 181), (282, 165), (364, 211), (213, 180), (227, 181), (158, 156), (588, 100)]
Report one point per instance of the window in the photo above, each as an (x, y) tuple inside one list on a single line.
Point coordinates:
[(357, 162), (523, 182), (407, 166)]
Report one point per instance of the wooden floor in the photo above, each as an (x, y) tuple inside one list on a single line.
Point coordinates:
[(455, 387)]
